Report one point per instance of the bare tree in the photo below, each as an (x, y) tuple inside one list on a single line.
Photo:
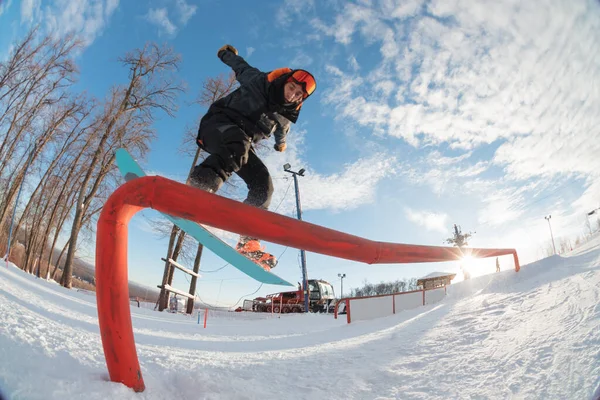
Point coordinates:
[(65, 135), (215, 88), (126, 122), (565, 245), (34, 80), (370, 289)]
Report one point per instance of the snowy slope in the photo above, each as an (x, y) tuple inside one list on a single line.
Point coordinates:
[(528, 335)]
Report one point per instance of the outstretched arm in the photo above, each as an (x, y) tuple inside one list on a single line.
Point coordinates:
[(244, 72)]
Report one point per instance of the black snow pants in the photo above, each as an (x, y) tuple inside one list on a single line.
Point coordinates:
[(231, 152)]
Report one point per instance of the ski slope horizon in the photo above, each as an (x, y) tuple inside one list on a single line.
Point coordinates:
[(531, 334)]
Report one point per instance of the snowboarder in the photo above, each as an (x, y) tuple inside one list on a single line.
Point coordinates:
[(265, 104)]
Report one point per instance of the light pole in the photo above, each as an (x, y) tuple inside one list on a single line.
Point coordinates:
[(551, 235), (342, 276), (286, 168)]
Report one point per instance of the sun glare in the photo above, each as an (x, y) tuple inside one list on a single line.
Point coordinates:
[(470, 267), (468, 263)]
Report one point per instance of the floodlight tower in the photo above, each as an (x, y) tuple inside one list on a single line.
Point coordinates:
[(342, 276), (286, 168), (551, 235)]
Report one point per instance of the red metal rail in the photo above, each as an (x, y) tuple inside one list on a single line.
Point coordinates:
[(164, 195)]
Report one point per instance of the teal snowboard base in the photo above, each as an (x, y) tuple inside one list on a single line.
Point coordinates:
[(130, 170)]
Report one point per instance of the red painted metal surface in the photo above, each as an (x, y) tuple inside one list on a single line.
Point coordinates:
[(179, 200)]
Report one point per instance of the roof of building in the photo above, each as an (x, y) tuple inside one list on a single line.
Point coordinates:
[(438, 275)]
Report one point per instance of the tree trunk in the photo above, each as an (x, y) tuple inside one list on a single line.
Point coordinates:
[(190, 302), (62, 252), (175, 255), (163, 298), (63, 218)]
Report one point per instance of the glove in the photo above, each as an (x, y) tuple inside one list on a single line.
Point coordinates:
[(280, 147), (227, 47)]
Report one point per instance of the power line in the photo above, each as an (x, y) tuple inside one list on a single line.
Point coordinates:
[(234, 304), (246, 295)]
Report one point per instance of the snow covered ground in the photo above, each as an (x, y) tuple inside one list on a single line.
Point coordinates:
[(528, 335)]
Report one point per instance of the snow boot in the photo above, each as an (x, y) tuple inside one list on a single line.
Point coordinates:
[(206, 179)]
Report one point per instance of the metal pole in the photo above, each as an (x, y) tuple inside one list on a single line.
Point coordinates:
[(302, 252), (342, 276), (551, 235), (12, 221)]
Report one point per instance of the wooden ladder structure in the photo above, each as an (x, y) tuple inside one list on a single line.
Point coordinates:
[(191, 294)]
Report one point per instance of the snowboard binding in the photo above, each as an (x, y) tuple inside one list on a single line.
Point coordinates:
[(252, 250), (265, 260)]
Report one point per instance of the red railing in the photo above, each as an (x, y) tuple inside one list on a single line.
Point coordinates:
[(346, 308), (183, 201)]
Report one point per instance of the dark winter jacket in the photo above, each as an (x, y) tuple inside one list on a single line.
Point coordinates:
[(257, 106)]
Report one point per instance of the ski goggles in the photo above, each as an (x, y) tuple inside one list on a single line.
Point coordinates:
[(306, 80)]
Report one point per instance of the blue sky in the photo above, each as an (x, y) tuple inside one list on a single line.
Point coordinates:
[(427, 113)]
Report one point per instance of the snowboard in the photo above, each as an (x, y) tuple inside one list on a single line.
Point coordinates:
[(130, 169)]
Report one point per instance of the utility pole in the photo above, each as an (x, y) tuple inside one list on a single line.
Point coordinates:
[(551, 235), (286, 168), (342, 276)]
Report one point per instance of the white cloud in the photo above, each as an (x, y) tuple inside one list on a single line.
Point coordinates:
[(289, 8), (493, 200), (249, 51), (301, 60), (111, 6), (519, 72), (385, 87), (354, 185), (428, 219), (590, 199), (85, 18), (353, 63), (185, 11), (447, 174), (170, 20), (402, 10), (437, 158), (552, 152), (518, 81), (29, 10), (4, 6), (499, 208), (160, 18)]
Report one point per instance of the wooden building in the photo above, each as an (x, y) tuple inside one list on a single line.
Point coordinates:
[(435, 279)]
